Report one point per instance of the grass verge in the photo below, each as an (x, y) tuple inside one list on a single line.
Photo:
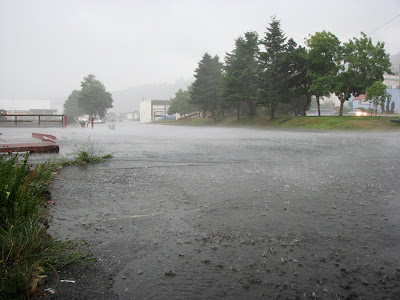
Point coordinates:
[(28, 252), (285, 121)]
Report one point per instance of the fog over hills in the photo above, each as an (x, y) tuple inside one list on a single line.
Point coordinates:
[(395, 60), (129, 100)]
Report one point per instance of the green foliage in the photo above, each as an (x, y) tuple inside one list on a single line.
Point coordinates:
[(181, 103), (86, 154), (71, 107), (287, 75), (27, 254), (240, 78), (85, 157), (27, 250), (322, 63), (368, 61), (19, 190), (273, 76), (93, 98), (377, 94), (205, 92), (296, 60), (362, 63)]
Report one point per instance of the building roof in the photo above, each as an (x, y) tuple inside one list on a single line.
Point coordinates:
[(159, 102), (360, 97)]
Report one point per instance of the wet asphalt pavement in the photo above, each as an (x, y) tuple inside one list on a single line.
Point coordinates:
[(201, 212)]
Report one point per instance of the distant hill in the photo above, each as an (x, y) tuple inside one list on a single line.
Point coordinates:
[(129, 100), (395, 60)]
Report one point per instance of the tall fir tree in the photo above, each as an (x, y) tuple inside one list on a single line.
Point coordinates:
[(273, 78), (205, 90), (240, 77)]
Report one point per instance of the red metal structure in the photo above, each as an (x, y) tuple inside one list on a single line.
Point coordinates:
[(47, 145), (42, 147), (44, 137)]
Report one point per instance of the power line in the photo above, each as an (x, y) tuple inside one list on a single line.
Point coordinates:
[(384, 24)]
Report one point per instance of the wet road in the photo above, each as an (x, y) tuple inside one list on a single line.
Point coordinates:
[(194, 213)]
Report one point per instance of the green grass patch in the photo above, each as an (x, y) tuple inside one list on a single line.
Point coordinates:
[(286, 121), (28, 252), (197, 122), (340, 123)]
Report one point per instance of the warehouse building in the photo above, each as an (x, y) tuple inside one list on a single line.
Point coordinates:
[(153, 110)]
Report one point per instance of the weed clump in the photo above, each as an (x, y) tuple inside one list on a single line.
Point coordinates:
[(27, 251), (26, 248), (87, 155)]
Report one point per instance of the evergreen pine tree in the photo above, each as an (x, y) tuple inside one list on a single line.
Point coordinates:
[(205, 92), (273, 78), (240, 78)]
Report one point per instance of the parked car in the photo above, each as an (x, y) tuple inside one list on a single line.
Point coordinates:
[(357, 113), (168, 117)]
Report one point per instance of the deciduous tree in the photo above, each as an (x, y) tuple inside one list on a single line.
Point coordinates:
[(93, 97), (323, 66), (376, 93), (181, 103), (362, 64), (71, 106)]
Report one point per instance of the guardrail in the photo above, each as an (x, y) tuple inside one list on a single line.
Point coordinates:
[(191, 116), (13, 120)]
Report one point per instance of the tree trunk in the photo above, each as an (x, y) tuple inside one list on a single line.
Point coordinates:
[(341, 108), (388, 98), (318, 106), (307, 104), (214, 115), (252, 109), (238, 111), (272, 109)]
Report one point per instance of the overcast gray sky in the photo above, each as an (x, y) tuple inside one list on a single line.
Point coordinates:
[(48, 46)]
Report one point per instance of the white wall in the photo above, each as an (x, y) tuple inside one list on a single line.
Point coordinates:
[(145, 111)]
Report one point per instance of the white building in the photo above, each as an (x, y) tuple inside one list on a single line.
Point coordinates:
[(391, 81), (153, 110)]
